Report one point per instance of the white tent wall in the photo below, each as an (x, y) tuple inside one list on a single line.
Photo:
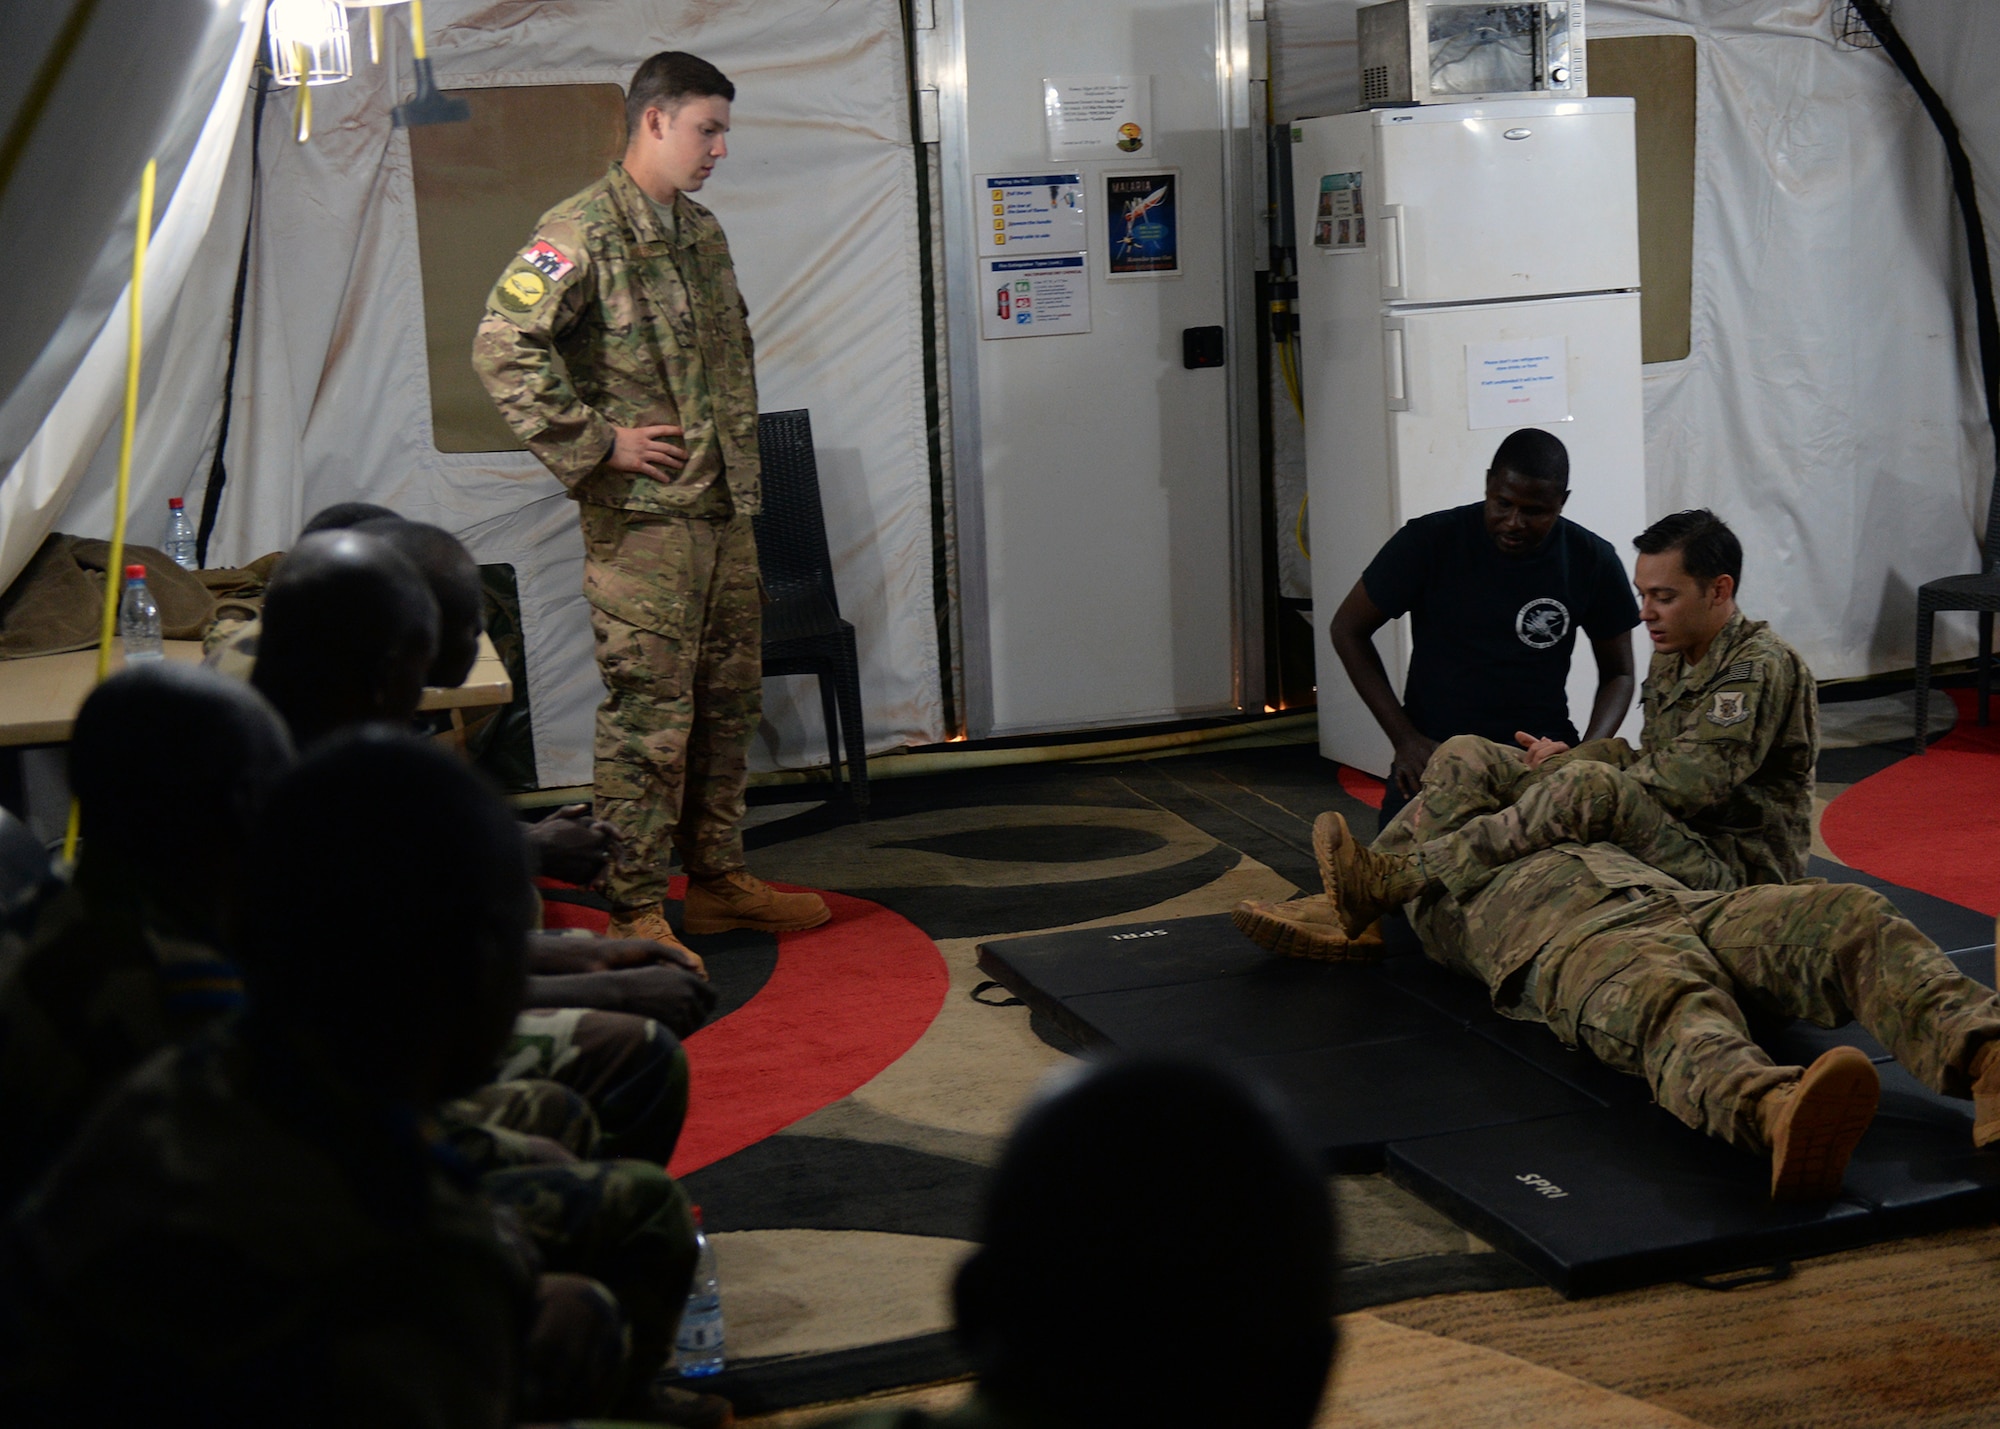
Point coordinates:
[(1830, 407), (818, 197)]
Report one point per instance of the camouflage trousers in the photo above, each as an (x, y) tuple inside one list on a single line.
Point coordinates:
[(1481, 808), (1663, 994), (630, 1072), (624, 1224), (677, 610), (490, 1127)]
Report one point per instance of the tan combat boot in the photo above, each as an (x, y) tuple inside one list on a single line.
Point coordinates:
[(1308, 927), (650, 923), (1815, 1123), (1985, 1070), (740, 899), (1365, 884)]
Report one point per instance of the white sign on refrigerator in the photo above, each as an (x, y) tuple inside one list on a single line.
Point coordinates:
[(1098, 116), (1031, 213), (1034, 297), (1523, 383)]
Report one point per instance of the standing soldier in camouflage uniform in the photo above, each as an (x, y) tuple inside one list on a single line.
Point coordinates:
[(618, 348), (1718, 796)]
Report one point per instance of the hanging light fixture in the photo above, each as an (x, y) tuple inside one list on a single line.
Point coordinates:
[(308, 47), (374, 9)]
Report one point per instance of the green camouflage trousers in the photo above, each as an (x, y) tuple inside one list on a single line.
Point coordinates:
[(1663, 995), (488, 1128), (629, 1070), (625, 1224), (677, 610), (1481, 809)]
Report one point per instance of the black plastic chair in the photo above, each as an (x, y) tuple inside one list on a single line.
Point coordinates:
[(803, 631), (1977, 592)]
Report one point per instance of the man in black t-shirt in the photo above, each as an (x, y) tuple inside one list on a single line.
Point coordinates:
[(1496, 592)]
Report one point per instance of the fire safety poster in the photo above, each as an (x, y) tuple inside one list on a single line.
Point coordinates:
[(1142, 218), (1034, 297)]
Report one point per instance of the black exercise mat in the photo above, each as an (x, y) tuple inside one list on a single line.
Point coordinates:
[(1539, 1149)]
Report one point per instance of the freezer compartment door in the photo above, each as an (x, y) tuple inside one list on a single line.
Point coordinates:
[(1517, 200), (1439, 449)]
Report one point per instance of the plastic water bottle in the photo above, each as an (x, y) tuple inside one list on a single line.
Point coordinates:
[(139, 619), (179, 544), (698, 1345)]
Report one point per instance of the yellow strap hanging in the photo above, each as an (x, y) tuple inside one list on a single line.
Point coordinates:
[(417, 50), (304, 103), (114, 569)]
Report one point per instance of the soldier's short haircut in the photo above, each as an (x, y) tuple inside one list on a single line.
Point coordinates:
[(385, 909), (166, 753), (345, 515), (452, 575), (668, 80), (1708, 547), (1534, 454)]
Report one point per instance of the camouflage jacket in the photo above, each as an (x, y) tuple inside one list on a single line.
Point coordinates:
[(1546, 905), (1729, 747), (109, 977), (237, 1239), (604, 320)]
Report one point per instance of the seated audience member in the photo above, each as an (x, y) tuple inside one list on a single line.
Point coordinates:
[(1133, 1205), (260, 1227), (1654, 978), (342, 645), (1718, 796), (167, 764), (1496, 592)]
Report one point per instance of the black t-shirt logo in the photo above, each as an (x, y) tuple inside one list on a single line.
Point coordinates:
[(1543, 622)]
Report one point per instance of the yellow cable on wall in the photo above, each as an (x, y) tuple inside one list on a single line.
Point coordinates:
[(114, 566)]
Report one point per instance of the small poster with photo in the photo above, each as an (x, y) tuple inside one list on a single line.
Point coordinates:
[(1142, 224), (1340, 223)]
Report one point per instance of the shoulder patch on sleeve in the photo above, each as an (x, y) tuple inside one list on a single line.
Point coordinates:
[(547, 259), (1728, 707), (1741, 670), (520, 290)]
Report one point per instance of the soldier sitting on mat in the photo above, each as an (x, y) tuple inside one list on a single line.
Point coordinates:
[(1653, 978), (337, 648), (262, 1226), (1088, 1288), (1719, 795)]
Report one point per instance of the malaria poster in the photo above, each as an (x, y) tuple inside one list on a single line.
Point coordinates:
[(1142, 224)]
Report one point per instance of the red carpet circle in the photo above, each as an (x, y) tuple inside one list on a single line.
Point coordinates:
[(1932, 821), (845, 1000), (1365, 787)]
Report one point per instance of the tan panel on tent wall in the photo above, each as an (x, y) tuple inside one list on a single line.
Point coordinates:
[(1657, 71), (480, 187)]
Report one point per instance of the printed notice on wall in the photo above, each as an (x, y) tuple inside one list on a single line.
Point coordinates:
[(1517, 384), (1034, 297), (1339, 223), (1031, 213), (1098, 116)]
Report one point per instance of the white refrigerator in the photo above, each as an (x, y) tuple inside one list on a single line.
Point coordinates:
[(1464, 270)]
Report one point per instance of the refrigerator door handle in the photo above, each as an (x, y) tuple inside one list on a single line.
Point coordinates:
[(1394, 269), (1396, 367)]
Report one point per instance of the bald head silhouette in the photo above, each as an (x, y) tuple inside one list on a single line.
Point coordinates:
[(453, 577), (170, 764), (1146, 1206), (350, 631)]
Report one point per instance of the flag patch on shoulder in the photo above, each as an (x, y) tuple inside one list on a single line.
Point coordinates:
[(548, 259), (1741, 670)]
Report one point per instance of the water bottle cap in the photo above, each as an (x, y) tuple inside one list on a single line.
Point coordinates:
[(174, 503), (135, 573)]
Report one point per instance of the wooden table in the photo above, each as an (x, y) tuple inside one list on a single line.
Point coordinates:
[(39, 696)]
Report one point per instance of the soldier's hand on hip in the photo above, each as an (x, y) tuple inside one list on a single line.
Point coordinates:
[(645, 451)]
